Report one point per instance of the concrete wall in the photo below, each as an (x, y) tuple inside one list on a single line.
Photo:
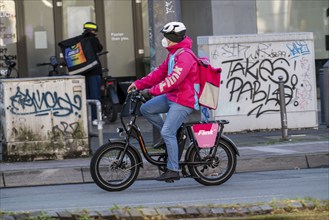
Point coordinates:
[(214, 17), (249, 84), (197, 16), (234, 17), (160, 13)]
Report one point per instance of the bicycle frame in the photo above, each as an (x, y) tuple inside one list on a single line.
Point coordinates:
[(133, 131)]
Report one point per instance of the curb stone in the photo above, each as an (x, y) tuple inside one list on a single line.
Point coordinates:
[(121, 213), (8, 217), (296, 205), (65, 215), (163, 211), (106, 214), (309, 204), (279, 205), (135, 214), (256, 210), (93, 214), (244, 211), (177, 212), (205, 211), (266, 208), (230, 211), (149, 211), (218, 211), (192, 211), (170, 212)]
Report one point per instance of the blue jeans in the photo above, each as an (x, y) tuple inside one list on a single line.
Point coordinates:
[(176, 115), (93, 85)]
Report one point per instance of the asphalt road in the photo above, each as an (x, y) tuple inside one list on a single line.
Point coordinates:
[(250, 187)]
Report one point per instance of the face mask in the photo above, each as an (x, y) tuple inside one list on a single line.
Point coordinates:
[(164, 42)]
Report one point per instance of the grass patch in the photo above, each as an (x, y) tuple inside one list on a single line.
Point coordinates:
[(302, 215)]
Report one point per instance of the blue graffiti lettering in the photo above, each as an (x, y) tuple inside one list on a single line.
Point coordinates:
[(43, 103), (298, 48)]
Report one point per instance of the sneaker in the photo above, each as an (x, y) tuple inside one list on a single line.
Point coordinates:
[(95, 122), (169, 175)]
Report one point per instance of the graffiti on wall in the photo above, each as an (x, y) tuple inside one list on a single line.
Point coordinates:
[(43, 103), (161, 12), (251, 72), (68, 130), (169, 7)]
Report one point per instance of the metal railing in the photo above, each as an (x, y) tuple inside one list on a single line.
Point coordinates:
[(283, 111), (324, 91), (99, 118)]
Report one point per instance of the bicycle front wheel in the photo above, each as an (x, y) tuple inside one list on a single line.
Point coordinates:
[(108, 172), (213, 169)]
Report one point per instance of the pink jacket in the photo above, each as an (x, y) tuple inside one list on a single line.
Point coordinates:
[(179, 84)]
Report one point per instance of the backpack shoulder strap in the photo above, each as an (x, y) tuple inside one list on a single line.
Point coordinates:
[(191, 52), (198, 60), (180, 50)]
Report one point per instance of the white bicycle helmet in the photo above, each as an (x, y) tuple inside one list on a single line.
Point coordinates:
[(174, 31)]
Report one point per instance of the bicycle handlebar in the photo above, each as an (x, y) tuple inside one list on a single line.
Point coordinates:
[(50, 64), (44, 64), (102, 53), (135, 95)]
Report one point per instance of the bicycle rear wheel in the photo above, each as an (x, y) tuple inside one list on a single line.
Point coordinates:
[(110, 111), (218, 168), (106, 170)]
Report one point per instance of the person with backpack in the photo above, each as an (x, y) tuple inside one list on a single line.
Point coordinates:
[(174, 83), (93, 76)]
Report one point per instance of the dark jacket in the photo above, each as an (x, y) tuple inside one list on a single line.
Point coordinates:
[(97, 47)]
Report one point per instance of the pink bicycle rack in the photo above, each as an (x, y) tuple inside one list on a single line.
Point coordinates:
[(205, 134)]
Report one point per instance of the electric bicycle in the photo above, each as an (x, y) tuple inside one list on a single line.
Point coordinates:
[(209, 159), (10, 66)]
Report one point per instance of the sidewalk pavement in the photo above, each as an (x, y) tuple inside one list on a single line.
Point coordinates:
[(259, 151)]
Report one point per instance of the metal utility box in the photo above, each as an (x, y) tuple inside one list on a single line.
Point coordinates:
[(43, 118), (251, 67)]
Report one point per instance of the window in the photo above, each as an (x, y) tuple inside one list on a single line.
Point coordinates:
[(8, 34), (296, 16), (39, 35)]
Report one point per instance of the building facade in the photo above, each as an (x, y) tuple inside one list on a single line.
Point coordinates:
[(129, 29)]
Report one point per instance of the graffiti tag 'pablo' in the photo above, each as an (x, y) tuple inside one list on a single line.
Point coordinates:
[(44, 103), (252, 72), (257, 82)]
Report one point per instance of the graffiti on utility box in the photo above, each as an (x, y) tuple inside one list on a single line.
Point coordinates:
[(43, 118), (43, 103), (251, 69)]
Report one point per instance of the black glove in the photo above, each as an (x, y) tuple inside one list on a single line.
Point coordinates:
[(145, 93)]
